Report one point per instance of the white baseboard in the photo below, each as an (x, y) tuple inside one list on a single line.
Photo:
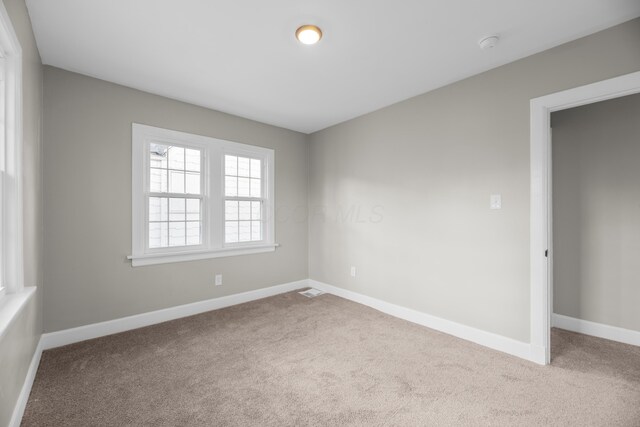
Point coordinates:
[(95, 330), (599, 330), (23, 398), (497, 342)]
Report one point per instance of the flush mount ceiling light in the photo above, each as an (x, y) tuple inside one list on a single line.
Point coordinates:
[(309, 34)]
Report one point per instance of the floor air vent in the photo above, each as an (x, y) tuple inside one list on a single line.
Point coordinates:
[(310, 293)]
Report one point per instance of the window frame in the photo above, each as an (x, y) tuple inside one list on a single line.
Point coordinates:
[(265, 192), (11, 202), (212, 192)]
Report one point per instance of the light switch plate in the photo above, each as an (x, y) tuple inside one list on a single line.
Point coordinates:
[(496, 201)]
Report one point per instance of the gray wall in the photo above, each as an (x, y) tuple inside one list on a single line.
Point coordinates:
[(429, 165), (87, 205), (18, 343), (596, 212)]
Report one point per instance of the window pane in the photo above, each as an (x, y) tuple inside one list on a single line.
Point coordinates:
[(244, 231), (256, 210), (158, 155), (193, 183), (255, 168), (164, 240), (256, 230), (176, 234), (176, 182), (255, 188), (176, 158), (193, 160), (158, 209), (176, 209), (230, 210), (231, 186), (231, 165), (158, 234), (193, 210), (193, 233), (243, 166), (245, 211), (159, 162), (158, 180), (231, 232), (243, 187)]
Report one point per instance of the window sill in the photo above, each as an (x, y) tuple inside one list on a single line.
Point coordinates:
[(151, 259), (11, 305)]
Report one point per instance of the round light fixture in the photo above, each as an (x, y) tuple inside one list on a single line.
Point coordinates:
[(309, 34)]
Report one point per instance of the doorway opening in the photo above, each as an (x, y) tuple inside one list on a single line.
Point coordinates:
[(595, 152), (541, 245)]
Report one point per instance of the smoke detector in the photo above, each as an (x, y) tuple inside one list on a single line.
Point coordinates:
[(488, 42)]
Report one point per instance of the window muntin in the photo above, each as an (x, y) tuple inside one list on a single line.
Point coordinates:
[(197, 197), (243, 176), (174, 221)]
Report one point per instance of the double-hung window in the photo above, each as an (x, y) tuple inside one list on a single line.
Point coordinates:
[(243, 201), (196, 197), (174, 196)]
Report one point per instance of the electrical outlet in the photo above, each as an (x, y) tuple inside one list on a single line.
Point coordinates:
[(353, 271), (218, 279)]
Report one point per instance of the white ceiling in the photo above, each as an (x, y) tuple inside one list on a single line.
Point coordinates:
[(241, 56)]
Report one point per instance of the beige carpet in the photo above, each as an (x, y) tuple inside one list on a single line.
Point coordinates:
[(293, 361)]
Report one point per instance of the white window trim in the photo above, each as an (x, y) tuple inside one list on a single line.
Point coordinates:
[(12, 280), (213, 245)]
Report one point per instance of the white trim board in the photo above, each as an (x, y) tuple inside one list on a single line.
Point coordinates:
[(109, 327), (487, 339), (11, 306), (599, 330), (23, 398), (11, 184)]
